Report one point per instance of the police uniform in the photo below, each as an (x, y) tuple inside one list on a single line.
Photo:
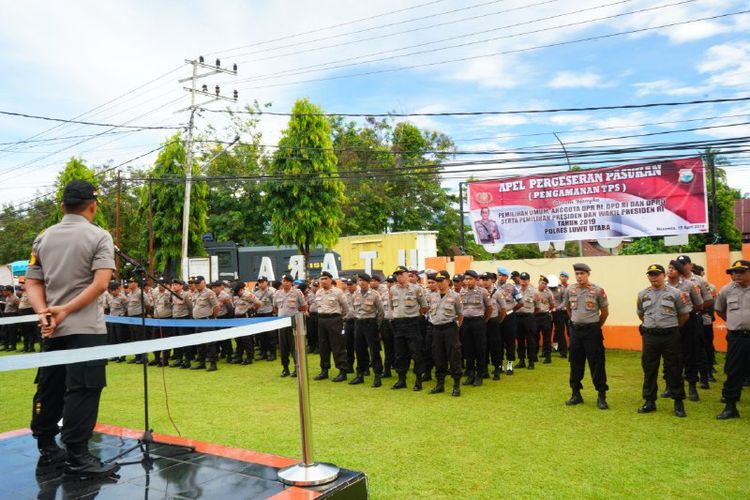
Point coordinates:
[(135, 309), (509, 325), (585, 304), (71, 392), (245, 303), (406, 301), (560, 320), (386, 328), (287, 303), (267, 340), (312, 319), (349, 326), (205, 306), (226, 311), (118, 307), (543, 319), (162, 300), (10, 310), (182, 309), (473, 333), (733, 303), (527, 334), (660, 310), (446, 311), (494, 337), (368, 308), (29, 331), (332, 307)]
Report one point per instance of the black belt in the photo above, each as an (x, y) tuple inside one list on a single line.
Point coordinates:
[(741, 333), (586, 325), (524, 314), (323, 315), (661, 331), (444, 326), (367, 320), (542, 313), (473, 318), (410, 318)]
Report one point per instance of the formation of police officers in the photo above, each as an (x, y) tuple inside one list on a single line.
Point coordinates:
[(474, 325)]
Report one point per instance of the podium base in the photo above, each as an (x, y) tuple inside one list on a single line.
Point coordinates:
[(309, 475)]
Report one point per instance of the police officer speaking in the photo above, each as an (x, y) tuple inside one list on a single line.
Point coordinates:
[(70, 267), (733, 306), (662, 310)]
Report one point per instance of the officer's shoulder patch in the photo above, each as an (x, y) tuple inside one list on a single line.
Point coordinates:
[(684, 298), (602, 293)]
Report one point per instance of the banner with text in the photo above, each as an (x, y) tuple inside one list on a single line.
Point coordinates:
[(648, 199)]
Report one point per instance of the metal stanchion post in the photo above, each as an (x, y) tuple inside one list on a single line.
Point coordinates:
[(308, 472)]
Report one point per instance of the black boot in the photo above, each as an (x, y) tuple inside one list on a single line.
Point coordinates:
[(456, 387), (575, 399), (401, 383), (547, 359), (359, 379), (601, 401), (377, 382), (418, 383), (477, 381), (427, 376), (521, 364), (211, 366), (730, 411), (666, 394), (704, 384), (51, 461), (648, 407), (679, 408), (439, 387), (82, 464), (531, 365), (285, 372), (387, 373), (322, 375), (469, 378), (496, 373), (693, 392), (200, 366), (340, 377)]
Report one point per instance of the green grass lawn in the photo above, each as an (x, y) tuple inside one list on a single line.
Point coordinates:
[(512, 438)]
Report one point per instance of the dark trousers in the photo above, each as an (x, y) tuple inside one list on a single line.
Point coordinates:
[(736, 366), (494, 343), (137, 334), (474, 342), (665, 344), (312, 332), (587, 344), (408, 345), (446, 350), (331, 341), (245, 345), (68, 391), (693, 352), (183, 353), (208, 351), (28, 331), (708, 343), (349, 339), (267, 340), (368, 346), (425, 328), (562, 324), (10, 333), (508, 337), (162, 332), (527, 337), (286, 345), (544, 326), (389, 349)]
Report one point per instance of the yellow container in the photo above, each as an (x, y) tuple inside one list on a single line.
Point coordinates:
[(387, 251)]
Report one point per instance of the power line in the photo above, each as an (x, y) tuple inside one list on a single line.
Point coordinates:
[(93, 124)]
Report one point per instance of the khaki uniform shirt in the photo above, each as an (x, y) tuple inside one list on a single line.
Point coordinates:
[(546, 301), (266, 300), (288, 303), (385, 299), (204, 303), (660, 307), (445, 308), (703, 286), (584, 302), (406, 301), (162, 304), (734, 301), (475, 301), (312, 305), (223, 297), (65, 257), (558, 293), (690, 289), (134, 302), (24, 303), (182, 307), (11, 304), (350, 303), (509, 291), (496, 301), (118, 305), (245, 302), (331, 301), (368, 304), (530, 300)]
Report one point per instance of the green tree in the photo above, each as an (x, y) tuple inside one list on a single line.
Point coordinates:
[(305, 199), (76, 169), (18, 228), (167, 197)]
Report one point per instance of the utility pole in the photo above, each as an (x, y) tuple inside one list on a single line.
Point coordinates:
[(150, 229), (215, 96), (117, 225)]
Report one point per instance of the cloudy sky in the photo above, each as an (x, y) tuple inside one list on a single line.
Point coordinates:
[(120, 62)]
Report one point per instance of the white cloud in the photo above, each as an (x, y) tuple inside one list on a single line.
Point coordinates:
[(571, 79), (503, 120), (565, 119), (667, 87), (497, 72)]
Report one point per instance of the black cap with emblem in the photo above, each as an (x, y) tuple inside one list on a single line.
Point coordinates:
[(581, 267), (739, 266), (655, 269), (77, 192), (442, 275)]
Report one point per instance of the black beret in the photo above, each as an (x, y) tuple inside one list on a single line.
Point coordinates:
[(287, 277), (350, 281), (77, 192), (471, 273), (198, 279), (677, 266), (365, 277), (684, 259), (544, 278), (431, 276), (177, 281), (377, 277), (581, 267), (514, 274), (113, 285), (698, 269), (390, 278), (458, 277), (326, 274), (262, 278), (655, 268), (217, 283), (524, 276), (485, 276)]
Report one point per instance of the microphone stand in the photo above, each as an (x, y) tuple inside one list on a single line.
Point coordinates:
[(147, 438)]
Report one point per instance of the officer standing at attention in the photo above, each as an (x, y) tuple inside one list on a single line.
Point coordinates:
[(560, 317), (287, 301), (662, 310), (205, 306), (70, 267), (118, 306), (182, 309), (386, 330), (588, 308), (226, 311), (543, 317), (244, 302), (368, 307), (477, 311), (446, 315), (408, 303), (332, 307), (733, 306), (494, 339), (162, 310), (11, 309), (135, 310), (508, 326), (349, 323), (527, 334), (267, 339)]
